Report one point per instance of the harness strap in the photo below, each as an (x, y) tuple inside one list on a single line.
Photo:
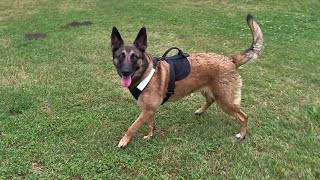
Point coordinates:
[(135, 92), (172, 84)]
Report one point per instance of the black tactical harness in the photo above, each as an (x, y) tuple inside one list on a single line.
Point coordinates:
[(179, 69)]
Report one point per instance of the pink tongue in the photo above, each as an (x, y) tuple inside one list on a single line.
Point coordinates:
[(125, 81)]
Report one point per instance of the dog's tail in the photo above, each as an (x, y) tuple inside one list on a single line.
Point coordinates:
[(257, 44)]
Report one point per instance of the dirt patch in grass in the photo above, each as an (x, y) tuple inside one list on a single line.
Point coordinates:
[(37, 168), (35, 36), (77, 24), (15, 112), (78, 177)]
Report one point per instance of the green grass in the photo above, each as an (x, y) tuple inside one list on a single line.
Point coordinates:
[(62, 110)]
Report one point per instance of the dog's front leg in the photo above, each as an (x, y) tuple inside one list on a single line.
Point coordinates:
[(151, 128), (143, 117)]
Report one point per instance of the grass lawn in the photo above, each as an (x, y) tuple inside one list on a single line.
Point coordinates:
[(63, 111)]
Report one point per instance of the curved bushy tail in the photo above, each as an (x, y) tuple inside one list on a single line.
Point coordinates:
[(257, 44)]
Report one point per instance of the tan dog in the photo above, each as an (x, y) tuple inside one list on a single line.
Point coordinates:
[(215, 76)]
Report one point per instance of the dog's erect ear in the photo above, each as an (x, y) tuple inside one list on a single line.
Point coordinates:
[(116, 40), (141, 40)]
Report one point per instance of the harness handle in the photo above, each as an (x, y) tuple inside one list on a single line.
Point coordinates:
[(166, 53)]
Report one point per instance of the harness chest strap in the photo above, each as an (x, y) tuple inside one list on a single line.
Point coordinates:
[(145, 82)]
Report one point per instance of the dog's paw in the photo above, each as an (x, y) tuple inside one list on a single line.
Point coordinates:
[(148, 137), (124, 141), (198, 112), (240, 137)]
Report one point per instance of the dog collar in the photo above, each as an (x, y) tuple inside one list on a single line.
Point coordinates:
[(146, 80)]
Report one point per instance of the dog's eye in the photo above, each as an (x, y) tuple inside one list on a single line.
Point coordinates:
[(134, 58), (121, 57)]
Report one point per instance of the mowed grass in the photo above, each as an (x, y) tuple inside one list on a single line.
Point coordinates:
[(62, 110)]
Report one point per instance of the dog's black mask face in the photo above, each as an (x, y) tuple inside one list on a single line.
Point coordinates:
[(130, 60)]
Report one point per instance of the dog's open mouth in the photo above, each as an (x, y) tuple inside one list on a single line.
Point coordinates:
[(125, 81)]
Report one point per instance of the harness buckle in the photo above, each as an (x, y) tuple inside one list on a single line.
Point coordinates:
[(170, 92)]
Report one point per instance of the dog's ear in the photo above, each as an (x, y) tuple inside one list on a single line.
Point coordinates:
[(116, 40), (141, 40)]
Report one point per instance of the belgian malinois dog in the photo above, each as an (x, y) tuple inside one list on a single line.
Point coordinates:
[(215, 76)]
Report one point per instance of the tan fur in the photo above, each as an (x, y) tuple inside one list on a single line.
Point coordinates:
[(216, 76)]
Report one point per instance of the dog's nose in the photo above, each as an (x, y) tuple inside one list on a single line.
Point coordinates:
[(125, 73)]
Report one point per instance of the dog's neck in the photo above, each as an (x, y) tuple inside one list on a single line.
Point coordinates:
[(147, 67)]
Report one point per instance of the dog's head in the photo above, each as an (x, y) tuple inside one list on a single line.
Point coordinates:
[(130, 60)]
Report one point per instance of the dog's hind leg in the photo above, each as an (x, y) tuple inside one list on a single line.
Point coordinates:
[(228, 96), (209, 101), (145, 115), (232, 107)]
